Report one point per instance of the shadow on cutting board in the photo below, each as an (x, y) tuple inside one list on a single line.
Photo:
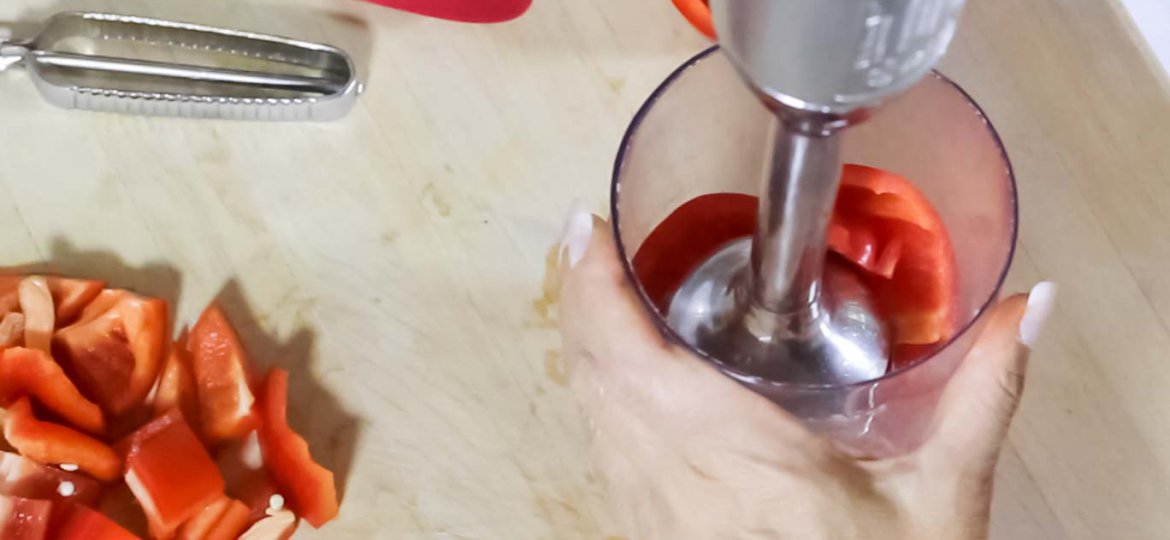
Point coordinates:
[(314, 410), (157, 279)]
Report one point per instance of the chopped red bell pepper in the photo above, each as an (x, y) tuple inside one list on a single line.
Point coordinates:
[(231, 523), (72, 295), (11, 330), (222, 375), (698, 13), (223, 519), (199, 526), (256, 492), (279, 526), (242, 465), (885, 225), (307, 486), (695, 231), (114, 349), (25, 478), (170, 473), (857, 241), (55, 444), (119, 504), (24, 519), (28, 372), (36, 303), (176, 385), (69, 296), (106, 300), (81, 523), (9, 295)]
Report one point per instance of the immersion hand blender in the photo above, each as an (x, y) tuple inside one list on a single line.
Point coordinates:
[(773, 306)]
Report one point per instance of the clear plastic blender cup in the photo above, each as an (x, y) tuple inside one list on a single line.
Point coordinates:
[(702, 131)]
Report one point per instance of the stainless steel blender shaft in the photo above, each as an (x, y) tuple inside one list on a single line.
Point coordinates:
[(788, 250)]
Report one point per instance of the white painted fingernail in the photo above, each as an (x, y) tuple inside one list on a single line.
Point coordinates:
[(1040, 303), (577, 233)]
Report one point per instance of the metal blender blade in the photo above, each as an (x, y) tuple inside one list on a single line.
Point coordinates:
[(777, 310)]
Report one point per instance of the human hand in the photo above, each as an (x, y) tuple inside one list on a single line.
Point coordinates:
[(688, 453)]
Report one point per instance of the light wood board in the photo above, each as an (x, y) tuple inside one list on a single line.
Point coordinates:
[(393, 259)]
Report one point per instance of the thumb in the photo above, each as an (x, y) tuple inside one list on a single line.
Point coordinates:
[(978, 404), (602, 318)]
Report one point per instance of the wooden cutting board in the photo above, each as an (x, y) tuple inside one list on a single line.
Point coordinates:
[(394, 259)]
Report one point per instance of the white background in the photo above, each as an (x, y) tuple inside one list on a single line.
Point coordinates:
[(1152, 18)]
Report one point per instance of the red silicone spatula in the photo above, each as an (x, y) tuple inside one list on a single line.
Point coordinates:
[(475, 11)]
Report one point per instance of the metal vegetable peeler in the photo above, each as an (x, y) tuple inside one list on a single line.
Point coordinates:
[(136, 65)]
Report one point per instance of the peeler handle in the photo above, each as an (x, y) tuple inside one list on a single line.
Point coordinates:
[(43, 59), (11, 53), (313, 82)]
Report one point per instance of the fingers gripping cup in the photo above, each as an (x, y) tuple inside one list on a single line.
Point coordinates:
[(704, 133)]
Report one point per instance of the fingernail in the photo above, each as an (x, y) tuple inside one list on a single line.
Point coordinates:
[(1040, 303), (577, 233)]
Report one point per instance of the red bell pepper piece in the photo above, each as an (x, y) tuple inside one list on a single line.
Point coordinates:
[(692, 233), (223, 519), (28, 372), (55, 444), (885, 225), (11, 330), (256, 492), (114, 349), (698, 13), (222, 376), (199, 526), (81, 523), (24, 519), (307, 486), (231, 523), (119, 504), (170, 473), (9, 295), (72, 295), (278, 526), (242, 465), (176, 385), (25, 478), (36, 303)]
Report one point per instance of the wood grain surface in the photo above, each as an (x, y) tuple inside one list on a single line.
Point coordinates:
[(394, 259)]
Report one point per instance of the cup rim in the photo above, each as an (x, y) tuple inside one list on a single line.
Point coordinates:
[(740, 375)]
